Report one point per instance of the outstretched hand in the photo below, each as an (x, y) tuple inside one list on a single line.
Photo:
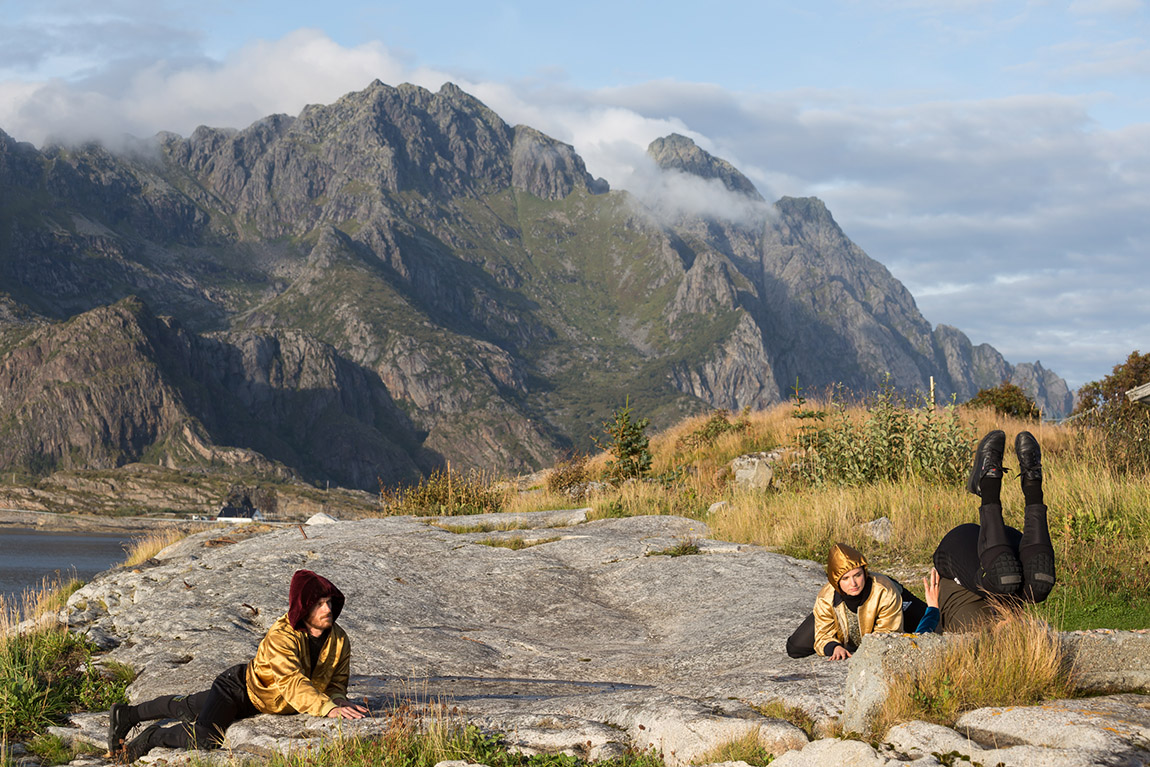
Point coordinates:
[(350, 711), (840, 653), (930, 584)]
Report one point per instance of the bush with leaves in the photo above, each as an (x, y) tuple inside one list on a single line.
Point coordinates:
[(568, 474), (1124, 426), (1007, 399), (716, 426), (630, 446), (892, 442), (45, 675)]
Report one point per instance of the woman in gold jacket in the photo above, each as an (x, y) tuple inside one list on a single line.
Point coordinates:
[(854, 603), (301, 666)]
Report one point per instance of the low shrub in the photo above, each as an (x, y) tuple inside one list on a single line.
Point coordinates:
[(1006, 399), (445, 493), (568, 474), (52, 749), (1122, 427), (48, 672), (680, 549), (714, 427)]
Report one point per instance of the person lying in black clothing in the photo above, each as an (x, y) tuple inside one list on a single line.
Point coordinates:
[(991, 561)]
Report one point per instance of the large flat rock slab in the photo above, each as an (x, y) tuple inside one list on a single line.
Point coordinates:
[(1110, 731), (589, 626)]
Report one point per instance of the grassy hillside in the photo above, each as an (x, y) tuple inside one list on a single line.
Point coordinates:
[(1099, 518)]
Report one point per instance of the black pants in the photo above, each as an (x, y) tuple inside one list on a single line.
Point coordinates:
[(206, 715), (801, 643), (963, 553)]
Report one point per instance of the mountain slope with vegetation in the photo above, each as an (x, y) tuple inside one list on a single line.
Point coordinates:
[(471, 294)]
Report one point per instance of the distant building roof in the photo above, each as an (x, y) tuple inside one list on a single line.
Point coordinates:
[(239, 512)]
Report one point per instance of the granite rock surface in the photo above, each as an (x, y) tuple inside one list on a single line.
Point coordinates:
[(590, 625)]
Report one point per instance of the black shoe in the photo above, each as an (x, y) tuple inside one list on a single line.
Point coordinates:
[(1001, 571), (119, 726), (988, 459), (141, 744), (1029, 457), (1038, 576)]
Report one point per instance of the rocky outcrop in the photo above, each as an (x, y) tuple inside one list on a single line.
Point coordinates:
[(1100, 661), (271, 403), (679, 153), (589, 625), (547, 168), (588, 641), (1099, 732), (972, 368), (1045, 387)]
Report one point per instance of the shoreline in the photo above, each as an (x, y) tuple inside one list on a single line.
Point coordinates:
[(72, 522)]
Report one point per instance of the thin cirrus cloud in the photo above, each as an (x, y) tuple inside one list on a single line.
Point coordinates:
[(1018, 219)]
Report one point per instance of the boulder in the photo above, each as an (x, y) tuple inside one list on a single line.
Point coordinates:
[(582, 628), (1111, 730), (1104, 660), (754, 471), (880, 529), (842, 753)]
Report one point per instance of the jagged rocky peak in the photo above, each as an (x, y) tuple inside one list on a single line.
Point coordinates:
[(548, 168), (676, 152)]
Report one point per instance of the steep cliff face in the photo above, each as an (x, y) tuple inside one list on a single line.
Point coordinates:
[(118, 384), (827, 312), (443, 286)]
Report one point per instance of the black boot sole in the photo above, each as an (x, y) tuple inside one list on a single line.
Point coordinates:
[(118, 727), (1038, 574), (1004, 574)]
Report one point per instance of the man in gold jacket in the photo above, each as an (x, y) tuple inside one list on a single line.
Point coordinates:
[(301, 666)]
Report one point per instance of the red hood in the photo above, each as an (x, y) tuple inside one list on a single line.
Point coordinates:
[(306, 590)]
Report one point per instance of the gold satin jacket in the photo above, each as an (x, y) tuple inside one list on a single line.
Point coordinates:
[(277, 678), (881, 613)]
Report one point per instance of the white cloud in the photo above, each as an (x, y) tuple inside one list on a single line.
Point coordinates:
[(1019, 220), (263, 77)]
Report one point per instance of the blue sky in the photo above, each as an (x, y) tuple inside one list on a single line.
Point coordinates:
[(993, 154)]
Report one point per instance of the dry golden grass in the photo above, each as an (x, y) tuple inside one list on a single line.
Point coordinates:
[(144, 548), (746, 749), (49, 597), (1099, 519), (1015, 661)]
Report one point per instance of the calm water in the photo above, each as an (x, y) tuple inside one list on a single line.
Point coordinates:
[(26, 556)]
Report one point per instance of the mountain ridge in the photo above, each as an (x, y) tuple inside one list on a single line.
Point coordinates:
[(499, 297)]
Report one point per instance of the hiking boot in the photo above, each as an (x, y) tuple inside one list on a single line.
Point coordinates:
[(1029, 457), (1038, 576), (141, 744), (119, 725), (988, 459), (1002, 573)]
